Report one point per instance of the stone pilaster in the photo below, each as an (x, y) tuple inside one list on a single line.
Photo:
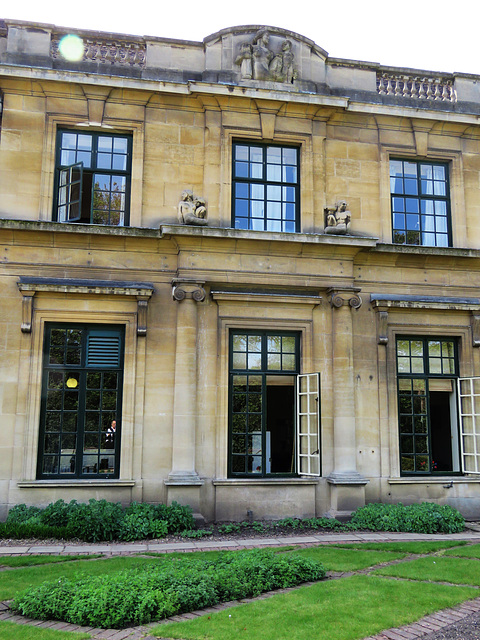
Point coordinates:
[(347, 489), (183, 474)]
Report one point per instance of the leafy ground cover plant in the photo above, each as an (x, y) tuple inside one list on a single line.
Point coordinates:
[(141, 595), (426, 517)]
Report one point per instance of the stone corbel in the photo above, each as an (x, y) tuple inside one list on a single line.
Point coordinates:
[(27, 311), (382, 326), (475, 323), (348, 297), (142, 305), (188, 289)]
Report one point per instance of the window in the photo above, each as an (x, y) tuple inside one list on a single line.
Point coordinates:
[(427, 372), (80, 422), (420, 203), (263, 382), (92, 182), (265, 187)]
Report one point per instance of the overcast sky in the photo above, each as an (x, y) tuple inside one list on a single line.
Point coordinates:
[(436, 35)]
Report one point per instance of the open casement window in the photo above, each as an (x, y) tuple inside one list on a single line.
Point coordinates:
[(82, 382), (469, 400), (92, 181), (427, 405), (262, 407), (70, 183), (308, 424)]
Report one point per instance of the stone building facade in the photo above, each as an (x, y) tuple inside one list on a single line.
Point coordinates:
[(236, 273)]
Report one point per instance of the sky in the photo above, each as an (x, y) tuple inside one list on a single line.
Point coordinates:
[(436, 35)]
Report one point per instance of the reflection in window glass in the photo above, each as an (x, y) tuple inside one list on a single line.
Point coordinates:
[(419, 187), (265, 180)]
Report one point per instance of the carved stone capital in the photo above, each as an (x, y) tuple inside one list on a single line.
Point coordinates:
[(188, 290), (344, 297)]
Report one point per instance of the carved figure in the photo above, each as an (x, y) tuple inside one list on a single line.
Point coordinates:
[(288, 72), (192, 209), (258, 62), (337, 218), (261, 55), (245, 60)]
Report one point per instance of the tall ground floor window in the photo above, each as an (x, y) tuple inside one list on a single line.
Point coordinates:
[(80, 423), (427, 373), (273, 411)]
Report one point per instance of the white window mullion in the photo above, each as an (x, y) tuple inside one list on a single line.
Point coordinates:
[(469, 406), (308, 424)]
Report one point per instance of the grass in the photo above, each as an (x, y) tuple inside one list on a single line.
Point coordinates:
[(436, 569), (9, 630), (346, 609), (405, 547), (472, 551), (11, 582), (31, 561), (336, 559)]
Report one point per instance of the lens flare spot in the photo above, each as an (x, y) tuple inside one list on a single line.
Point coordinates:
[(71, 47)]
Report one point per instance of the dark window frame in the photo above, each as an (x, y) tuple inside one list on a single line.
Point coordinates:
[(285, 224), (81, 372), (263, 372), (410, 225), (423, 461), (87, 193)]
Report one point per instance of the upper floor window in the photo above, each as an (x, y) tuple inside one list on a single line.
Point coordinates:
[(92, 181), (420, 203), (266, 192)]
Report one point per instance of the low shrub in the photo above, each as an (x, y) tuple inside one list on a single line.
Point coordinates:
[(97, 520), (140, 521), (425, 517), (178, 517), (139, 596)]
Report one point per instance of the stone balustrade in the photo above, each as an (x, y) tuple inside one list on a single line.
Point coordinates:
[(409, 86), (121, 52)]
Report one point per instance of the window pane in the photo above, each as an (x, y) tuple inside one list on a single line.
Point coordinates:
[(270, 170), (429, 180)]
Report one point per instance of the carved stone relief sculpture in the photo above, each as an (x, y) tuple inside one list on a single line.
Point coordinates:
[(258, 62), (192, 209), (337, 218)]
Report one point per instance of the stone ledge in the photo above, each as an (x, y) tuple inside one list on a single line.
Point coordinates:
[(85, 484), (252, 482)]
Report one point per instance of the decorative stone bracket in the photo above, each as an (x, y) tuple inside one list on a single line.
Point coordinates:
[(29, 287)]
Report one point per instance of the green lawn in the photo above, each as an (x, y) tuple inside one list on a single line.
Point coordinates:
[(437, 569), (406, 547), (472, 551), (29, 561), (12, 631), (11, 582), (343, 609), (337, 559), (346, 609)]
